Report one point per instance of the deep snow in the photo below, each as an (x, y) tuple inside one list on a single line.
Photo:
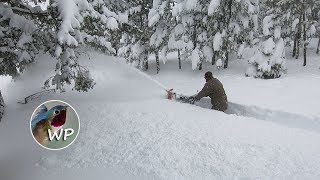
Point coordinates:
[(127, 125)]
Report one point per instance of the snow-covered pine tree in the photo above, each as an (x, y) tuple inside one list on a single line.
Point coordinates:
[(102, 25), (303, 24), (221, 10), (18, 36), (203, 44), (161, 21), (316, 18), (183, 37), (178, 38), (245, 25), (269, 59), (309, 25), (236, 25), (66, 20), (136, 35), (26, 30)]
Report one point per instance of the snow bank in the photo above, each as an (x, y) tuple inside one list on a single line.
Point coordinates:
[(127, 124)]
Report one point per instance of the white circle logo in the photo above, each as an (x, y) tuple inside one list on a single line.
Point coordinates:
[(55, 125)]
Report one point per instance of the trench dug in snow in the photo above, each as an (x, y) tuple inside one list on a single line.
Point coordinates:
[(280, 117)]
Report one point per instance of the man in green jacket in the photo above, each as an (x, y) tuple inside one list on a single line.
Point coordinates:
[(214, 89)]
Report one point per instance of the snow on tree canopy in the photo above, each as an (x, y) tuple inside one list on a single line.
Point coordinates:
[(271, 65), (267, 23), (213, 6), (195, 58), (294, 24), (157, 37), (277, 32), (241, 50), (163, 54), (177, 8), (112, 23), (137, 50), (313, 30), (244, 21), (23, 40), (268, 46), (70, 19), (219, 63), (190, 4), (22, 23), (217, 41), (207, 53), (153, 17)]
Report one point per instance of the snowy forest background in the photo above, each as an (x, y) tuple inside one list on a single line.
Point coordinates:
[(198, 30)]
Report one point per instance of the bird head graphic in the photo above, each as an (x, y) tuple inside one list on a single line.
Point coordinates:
[(57, 115)]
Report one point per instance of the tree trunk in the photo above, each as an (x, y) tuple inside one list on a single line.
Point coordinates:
[(146, 62), (179, 58), (200, 65), (299, 37), (145, 65), (295, 44), (226, 62), (298, 49), (213, 61), (1, 106), (194, 35), (318, 46), (157, 62), (304, 40)]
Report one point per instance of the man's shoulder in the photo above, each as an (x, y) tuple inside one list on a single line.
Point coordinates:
[(212, 80)]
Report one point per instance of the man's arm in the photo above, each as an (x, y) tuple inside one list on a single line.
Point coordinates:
[(203, 93)]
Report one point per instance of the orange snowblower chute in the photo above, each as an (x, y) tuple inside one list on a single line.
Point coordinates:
[(170, 94)]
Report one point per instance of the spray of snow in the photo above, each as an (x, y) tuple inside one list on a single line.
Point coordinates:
[(148, 77)]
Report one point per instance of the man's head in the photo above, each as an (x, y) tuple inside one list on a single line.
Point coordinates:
[(208, 75)]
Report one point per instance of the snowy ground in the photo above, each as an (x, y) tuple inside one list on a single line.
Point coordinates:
[(271, 130)]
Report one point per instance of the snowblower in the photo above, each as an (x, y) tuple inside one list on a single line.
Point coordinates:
[(179, 97)]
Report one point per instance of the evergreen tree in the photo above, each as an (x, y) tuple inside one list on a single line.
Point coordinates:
[(135, 39), (269, 59), (236, 25), (161, 22), (18, 37), (60, 29), (184, 36), (304, 22)]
